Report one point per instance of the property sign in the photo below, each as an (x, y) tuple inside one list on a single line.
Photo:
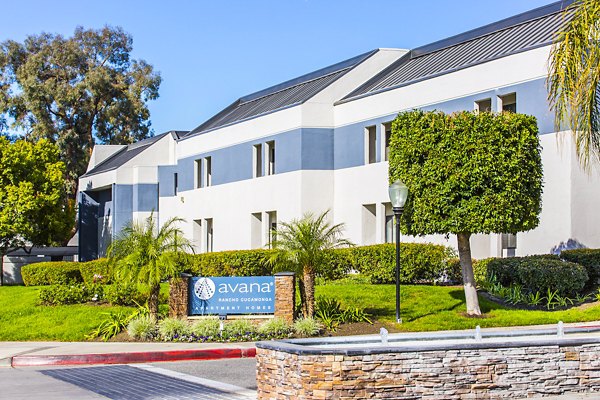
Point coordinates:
[(232, 295)]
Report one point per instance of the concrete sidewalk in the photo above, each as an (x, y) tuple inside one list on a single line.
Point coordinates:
[(78, 353), (23, 354)]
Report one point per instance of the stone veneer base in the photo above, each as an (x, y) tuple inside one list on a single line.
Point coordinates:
[(533, 366)]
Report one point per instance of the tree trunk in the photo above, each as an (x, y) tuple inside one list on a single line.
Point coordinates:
[(309, 287), (1, 269), (466, 264), (302, 290), (153, 301)]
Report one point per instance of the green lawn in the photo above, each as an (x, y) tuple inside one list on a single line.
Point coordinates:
[(22, 319), (428, 308)]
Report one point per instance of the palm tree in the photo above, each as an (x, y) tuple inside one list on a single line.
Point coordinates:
[(302, 244), (574, 78), (145, 255)]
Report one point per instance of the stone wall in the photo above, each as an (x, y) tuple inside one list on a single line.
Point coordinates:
[(484, 373), (285, 296), (178, 296)]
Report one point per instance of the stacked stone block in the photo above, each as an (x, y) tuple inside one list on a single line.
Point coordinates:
[(285, 296), (495, 373), (178, 296)]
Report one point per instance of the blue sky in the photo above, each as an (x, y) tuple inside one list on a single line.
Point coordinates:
[(209, 53)]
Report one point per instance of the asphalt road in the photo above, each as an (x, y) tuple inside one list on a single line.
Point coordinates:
[(232, 379)]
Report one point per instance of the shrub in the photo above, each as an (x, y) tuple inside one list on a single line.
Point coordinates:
[(307, 327), (239, 328), (112, 325), (338, 263), (275, 327), (172, 328), (142, 328), (70, 294), (230, 263), (206, 328), (539, 274), (454, 270), (51, 273), (589, 258), (123, 295), (420, 262), (96, 271)]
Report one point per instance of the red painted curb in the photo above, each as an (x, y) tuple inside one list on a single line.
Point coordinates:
[(128, 358)]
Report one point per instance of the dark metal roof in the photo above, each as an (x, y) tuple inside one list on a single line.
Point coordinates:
[(519, 33), (287, 94), (129, 152), (45, 251)]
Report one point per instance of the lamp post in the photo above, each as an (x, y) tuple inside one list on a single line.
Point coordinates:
[(398, 194)]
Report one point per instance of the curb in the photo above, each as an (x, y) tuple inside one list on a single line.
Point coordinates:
[(129, 358)]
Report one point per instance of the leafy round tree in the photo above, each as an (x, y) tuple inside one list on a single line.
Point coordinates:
[(76, 91), (301, 246), (33, 206), (144, 254), (467, 173)]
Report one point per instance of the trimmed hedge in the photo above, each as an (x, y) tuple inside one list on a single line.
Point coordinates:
[(51, 273), (419, 262), (96, 271), (230, 263), (589, 258), (454, 271), (539, 274)]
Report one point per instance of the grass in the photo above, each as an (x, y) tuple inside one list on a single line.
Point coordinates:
[(21, 318), (429, 308)]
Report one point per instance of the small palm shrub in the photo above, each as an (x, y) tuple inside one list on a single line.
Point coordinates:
[(206, 328), (239, 328), (307, 327), (172, 328), (275, 327), (142, 328)]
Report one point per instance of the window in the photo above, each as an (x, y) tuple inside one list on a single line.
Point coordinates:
[(198, 173), (175, 183), (508, 103), (256, 230), (257, 160), (270, 146), (370, 144), (369, 221), (208, 223), (272, 215), (509, 244), (484, 105), (207, 172), (387, 129), (197, 234)]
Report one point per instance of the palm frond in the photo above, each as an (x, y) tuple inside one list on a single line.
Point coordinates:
[(574, 78)]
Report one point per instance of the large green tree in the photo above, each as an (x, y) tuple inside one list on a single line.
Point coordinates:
[(467, 173), (574, 78), (301, 246), (33, 206), (145, 254), (76, 91)]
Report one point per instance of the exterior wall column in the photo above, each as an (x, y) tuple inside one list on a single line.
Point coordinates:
[(285, 295), (179, 296)]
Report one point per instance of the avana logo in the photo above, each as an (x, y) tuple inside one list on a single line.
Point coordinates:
[(204, 288)]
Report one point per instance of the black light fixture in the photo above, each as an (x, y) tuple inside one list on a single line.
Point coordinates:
[(398, 194)]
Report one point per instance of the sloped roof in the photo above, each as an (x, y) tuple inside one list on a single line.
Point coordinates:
[(519, 33), (287, 94), (129, 152)]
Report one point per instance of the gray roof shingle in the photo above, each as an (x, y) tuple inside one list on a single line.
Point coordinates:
[(278, 97), (129, 152), (519, 33)]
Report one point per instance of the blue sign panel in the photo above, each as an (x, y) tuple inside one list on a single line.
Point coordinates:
[(232, 295)]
